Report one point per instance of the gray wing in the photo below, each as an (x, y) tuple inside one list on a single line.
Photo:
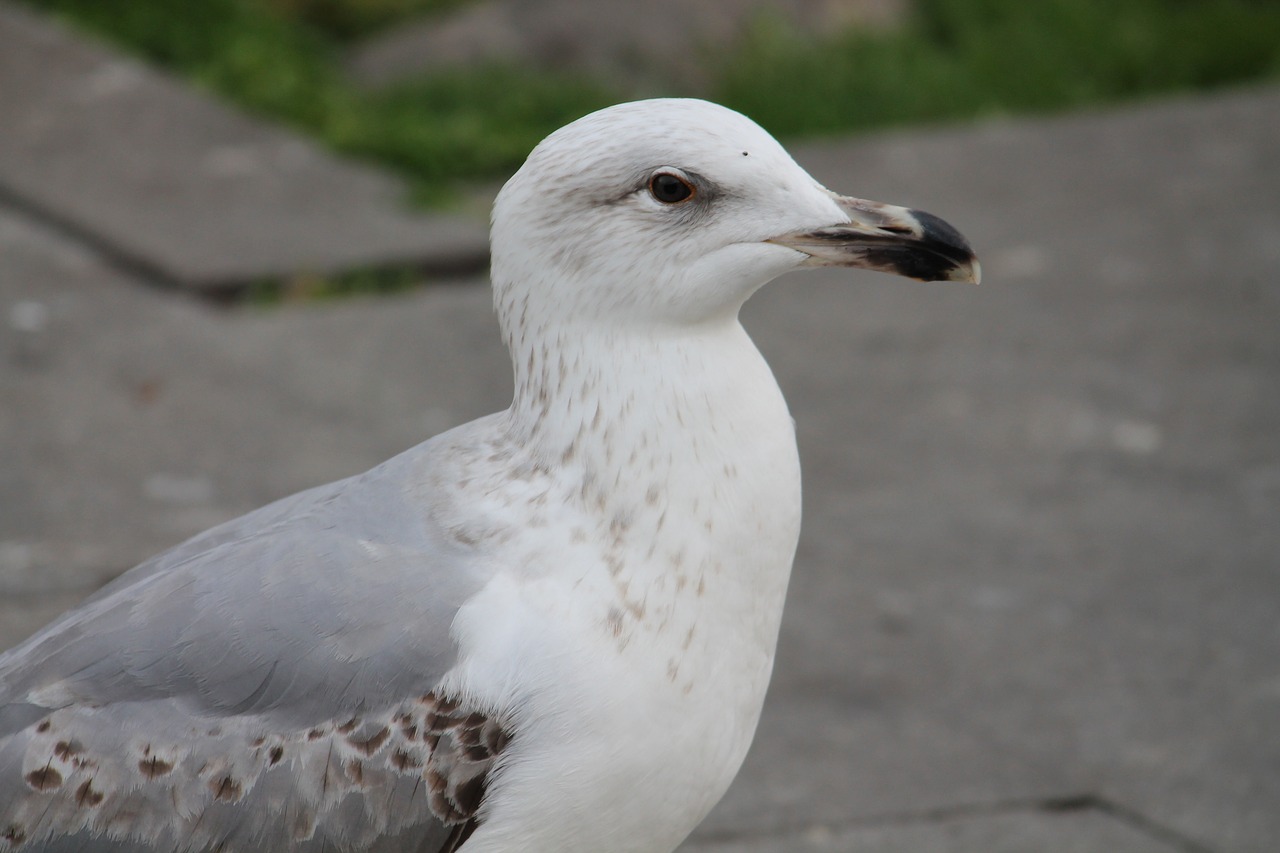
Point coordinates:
[(266, 685)]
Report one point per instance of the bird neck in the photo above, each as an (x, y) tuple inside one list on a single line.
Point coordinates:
[(675, 438), (609, 399)]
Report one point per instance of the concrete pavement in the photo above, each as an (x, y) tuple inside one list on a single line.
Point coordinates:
[(1037, 600), (184, 190)]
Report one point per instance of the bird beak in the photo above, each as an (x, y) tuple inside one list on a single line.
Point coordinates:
[(891, 239)]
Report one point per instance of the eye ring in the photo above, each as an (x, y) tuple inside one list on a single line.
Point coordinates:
[(669, 188)]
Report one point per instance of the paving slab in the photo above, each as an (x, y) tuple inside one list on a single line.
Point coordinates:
[(185, 188), (132, 417), (1017, 832), (1040, 556)]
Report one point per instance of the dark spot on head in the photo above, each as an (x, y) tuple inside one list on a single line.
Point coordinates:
[(274, 756), (372, 743), (44, 779), (226, 789), (744, 154), (87, 795), (153, 767)]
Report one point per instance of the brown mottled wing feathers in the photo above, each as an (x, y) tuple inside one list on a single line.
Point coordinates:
[(96, 781)]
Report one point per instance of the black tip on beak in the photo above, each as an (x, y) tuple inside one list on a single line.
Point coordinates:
[(938, 253), (891, 239)]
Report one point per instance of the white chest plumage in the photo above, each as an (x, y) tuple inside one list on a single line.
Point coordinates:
[(639, 635)]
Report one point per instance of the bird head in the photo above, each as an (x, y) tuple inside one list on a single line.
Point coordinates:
[(674, 211)]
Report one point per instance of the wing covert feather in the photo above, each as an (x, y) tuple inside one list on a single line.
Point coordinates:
[(264, 685)]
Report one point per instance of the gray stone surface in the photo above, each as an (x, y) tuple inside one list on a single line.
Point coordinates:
[(1016, 832), (184, 188), (638, 47), (131, 418), (1041, 555)]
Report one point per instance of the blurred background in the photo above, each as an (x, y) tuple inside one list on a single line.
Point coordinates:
[(1036, 604), (450, 91)]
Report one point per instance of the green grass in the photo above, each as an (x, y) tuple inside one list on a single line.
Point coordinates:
[(347, 20), (954, 59), (438, 131), (958, 59)]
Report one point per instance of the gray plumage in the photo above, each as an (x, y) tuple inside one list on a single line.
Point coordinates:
[(289, 653)]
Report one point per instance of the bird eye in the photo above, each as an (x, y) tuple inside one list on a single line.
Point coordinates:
[(670, 189)]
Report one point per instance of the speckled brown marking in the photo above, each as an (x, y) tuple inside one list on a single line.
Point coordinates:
[(688, 639), (153, 767), (355, 772), (348, 727), (275, 755), (461, 536), (14, 834), (258, 741), (44, 779), (614, 622), (372, 743), (619, 524), (226, 789), (44, 726), (494, 737), (87, 795), (702, 585), (463, 745), (403, 760), (315, 734), (66, 749)]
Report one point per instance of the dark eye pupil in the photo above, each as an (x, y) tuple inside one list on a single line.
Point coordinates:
[(669, 189)]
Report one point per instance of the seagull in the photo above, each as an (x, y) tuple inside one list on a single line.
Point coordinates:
[(549, 629)]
